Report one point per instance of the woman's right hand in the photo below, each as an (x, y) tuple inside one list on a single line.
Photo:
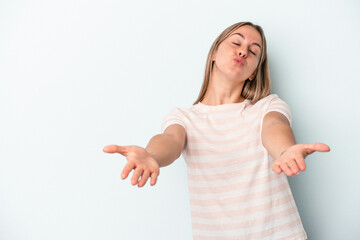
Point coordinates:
[(140, 160)]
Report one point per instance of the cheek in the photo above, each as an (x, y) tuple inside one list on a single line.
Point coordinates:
[(256, 63), (221, 51), (222, 56), (258, 60)]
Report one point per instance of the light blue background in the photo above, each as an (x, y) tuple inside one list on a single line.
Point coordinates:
[(78, 75)]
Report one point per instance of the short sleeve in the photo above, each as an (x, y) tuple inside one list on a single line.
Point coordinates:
[(175, 116), (276, 104)]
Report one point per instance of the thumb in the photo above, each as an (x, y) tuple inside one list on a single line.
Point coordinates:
[(319, 147), (116, 149)]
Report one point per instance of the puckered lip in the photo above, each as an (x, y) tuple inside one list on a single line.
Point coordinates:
[(239, 60)]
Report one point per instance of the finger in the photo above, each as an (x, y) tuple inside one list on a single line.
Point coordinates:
[(276, 168), (319, 147), (137, 173), (286, 169), (116, 149), (127, 169), (144, 178), (110, 148), (301, 163), (293, 166), (154, 177)]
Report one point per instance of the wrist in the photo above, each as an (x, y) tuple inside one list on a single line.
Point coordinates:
[(285, 150)]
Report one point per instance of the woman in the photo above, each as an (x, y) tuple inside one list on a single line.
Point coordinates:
[(236, 140)]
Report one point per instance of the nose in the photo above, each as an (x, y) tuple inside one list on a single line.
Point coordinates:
[(243, 52)]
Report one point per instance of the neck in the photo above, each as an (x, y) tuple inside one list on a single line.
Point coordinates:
[(222, 90)]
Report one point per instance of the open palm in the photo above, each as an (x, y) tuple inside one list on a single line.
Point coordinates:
[(293, 159), (140, 160)]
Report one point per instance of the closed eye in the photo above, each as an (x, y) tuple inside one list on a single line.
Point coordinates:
[(249, 50)]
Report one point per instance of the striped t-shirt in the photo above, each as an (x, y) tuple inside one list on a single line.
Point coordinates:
[(234, 193)]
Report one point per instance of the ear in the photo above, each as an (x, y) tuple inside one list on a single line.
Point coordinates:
[(213, 57)]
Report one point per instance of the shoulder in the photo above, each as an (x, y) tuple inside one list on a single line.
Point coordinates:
[(268, 98), (266, 101), (270, 103), (179, 113), (273, 103)]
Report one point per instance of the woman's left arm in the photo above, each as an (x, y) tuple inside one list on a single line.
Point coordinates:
[(278, 139)]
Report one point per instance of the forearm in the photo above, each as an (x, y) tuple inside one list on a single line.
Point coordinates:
[(277, 138), (163, 149)]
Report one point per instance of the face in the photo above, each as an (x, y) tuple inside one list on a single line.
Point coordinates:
[(238, 55)]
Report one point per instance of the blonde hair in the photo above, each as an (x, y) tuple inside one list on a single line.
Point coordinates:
[(253, 90)]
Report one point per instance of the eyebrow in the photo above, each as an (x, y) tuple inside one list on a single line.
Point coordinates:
[(244, 38)]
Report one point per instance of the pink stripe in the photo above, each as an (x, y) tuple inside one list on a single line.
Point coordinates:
[(258, 235), (237, 145), (240, 199), (252, 113), (202, 135), (226, 175), (243, 212), (232, 187), (247, 224), (223, 132), (225, 162)]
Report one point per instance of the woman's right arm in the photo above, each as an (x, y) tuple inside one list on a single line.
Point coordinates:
[(162, 150), (167, 147)]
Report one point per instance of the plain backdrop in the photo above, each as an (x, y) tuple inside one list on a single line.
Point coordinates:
[(78, 75)]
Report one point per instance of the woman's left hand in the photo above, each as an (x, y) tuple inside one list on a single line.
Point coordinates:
[(293, 158)]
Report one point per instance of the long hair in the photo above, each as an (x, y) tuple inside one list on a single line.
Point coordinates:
[(253, 90)]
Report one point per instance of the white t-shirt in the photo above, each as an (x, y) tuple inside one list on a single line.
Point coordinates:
[(234, 193)]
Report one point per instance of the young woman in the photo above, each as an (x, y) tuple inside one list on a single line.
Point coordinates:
[(238, 145)]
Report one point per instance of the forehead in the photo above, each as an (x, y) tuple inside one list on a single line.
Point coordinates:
[(250, 34)]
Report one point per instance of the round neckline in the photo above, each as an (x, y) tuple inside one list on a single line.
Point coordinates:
[(225, 106)]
